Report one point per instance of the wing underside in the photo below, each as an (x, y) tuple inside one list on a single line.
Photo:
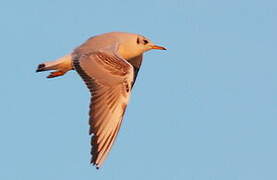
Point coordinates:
[(109, 79)]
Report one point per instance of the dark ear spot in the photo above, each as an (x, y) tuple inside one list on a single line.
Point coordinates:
[(137, 40)]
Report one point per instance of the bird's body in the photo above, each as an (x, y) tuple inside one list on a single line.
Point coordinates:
[(108, 64)]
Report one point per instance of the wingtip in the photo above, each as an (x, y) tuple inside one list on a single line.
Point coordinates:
[(94, 164)]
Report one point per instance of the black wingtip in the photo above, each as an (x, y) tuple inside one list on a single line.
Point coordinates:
[(96, 165), (92, 162), (40, 68)]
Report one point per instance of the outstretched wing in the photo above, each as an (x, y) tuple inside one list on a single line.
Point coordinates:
[(109, 79)]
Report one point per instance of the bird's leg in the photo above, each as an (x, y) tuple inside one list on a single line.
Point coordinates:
[(56, 74)]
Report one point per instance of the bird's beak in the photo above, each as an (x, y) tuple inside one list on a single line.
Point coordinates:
[(158, 47)]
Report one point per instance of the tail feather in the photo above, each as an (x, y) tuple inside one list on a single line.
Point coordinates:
[(41, 67), (61, 65)]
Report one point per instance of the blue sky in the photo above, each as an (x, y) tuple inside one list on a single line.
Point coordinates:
[(203, 110)]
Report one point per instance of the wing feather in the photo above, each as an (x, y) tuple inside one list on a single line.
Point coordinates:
[(109, 79), (136, 63)]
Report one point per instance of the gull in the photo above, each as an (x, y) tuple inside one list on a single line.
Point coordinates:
[(108, 64)]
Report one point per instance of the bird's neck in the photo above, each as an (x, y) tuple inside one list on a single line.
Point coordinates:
[(130, 53)]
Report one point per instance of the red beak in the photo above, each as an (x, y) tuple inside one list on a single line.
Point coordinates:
[(158, 47)]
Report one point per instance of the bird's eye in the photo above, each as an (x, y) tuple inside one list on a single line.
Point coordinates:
[(145, 41)]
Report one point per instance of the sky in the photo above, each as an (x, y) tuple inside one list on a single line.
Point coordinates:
[(205, 109)]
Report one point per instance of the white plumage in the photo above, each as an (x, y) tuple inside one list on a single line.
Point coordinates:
[(108, 64)]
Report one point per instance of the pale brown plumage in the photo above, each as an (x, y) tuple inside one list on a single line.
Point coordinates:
[(108, 64), (109, 97)]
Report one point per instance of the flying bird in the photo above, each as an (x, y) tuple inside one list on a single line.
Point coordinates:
[(108, 64)]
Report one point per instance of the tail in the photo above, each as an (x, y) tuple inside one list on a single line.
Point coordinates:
[(61, 66)]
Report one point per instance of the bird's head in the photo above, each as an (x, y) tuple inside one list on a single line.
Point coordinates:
[(133, 45)]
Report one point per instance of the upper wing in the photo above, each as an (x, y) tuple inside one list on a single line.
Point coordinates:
[(109, 79), (136, 63)]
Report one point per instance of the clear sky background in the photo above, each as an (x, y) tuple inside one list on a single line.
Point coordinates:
[(206, 109)]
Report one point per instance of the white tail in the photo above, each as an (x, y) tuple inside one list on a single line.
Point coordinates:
[(61, 65)]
